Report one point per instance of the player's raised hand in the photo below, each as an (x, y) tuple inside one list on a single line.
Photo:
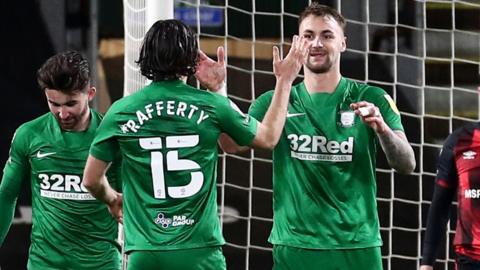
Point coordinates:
[(426, 267), (370, 114), (289, 67), (211, 73)]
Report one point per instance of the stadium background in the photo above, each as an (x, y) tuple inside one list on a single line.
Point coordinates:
[(424, 53)]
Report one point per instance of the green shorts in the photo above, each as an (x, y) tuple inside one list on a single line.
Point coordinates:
[(43, 256), (209, 258), (285, 257)]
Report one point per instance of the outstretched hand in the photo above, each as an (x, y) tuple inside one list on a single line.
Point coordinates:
[(210, 73), (289, 67)]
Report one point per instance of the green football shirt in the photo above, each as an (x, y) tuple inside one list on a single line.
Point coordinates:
[(167, 134), (70, 228), (324, 168)]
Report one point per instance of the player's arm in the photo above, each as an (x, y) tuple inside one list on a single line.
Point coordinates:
[(16, 170), (399, 152), (270, 128), (446, 184), (97, 184), (114, 172), (211, 74), (228, 145), (9, 190), (436, 223), (285, 70)]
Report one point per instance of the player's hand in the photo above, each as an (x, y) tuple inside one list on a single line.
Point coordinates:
[(426, 267), (289, 67), (115, 207), (370, 114), (210, 73)]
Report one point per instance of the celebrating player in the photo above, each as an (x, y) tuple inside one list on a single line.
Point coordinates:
[(71, 229), (325, 211), (167, 135)]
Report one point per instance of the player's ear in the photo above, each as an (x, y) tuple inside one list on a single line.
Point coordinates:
[(344, 44), (91, 93)]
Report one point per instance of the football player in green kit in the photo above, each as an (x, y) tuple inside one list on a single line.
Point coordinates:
[(167, 135), (325, 211), (70, 228)]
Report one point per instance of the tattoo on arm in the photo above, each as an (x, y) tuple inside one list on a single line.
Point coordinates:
[(398, 151)]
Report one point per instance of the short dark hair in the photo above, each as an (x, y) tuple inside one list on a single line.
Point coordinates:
[(319, 10), (66, 72), (169, 51)]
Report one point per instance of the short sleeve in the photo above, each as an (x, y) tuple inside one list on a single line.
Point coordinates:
[(241, 127), (17, 166), (259, 108), (105, 146), (388, 109)]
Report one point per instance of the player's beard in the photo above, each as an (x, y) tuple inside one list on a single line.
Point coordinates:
[(74, 121), (68, 124), (320, 68)]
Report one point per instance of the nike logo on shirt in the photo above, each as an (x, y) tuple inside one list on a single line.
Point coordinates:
[(42, 155), (294, 114)]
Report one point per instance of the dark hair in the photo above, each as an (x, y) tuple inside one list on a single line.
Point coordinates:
[(65, 72), (319, 10), (169, 51)]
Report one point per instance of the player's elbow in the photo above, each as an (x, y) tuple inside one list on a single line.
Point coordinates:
[(271, 143), (88, 182), (267, 138), (410, 167), (266, 143), (233, 149), (229, 146), (405, 167)]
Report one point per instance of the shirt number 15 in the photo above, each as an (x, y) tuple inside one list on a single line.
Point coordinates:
[(173, 164)]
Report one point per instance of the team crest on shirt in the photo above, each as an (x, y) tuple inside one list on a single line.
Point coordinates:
[(347, 118), (469, 154), (175, 221)]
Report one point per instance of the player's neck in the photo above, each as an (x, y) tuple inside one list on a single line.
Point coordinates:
[(322, 82)]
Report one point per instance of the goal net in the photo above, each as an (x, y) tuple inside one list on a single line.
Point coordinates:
[(424, 53)]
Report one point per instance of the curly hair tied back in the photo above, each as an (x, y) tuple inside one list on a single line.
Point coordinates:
[(169, 51), (66, 72)]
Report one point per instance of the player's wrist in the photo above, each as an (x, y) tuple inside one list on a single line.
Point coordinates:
[(110, 196), (382, 130), (220, 89), (285, 79), (284, 83)]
